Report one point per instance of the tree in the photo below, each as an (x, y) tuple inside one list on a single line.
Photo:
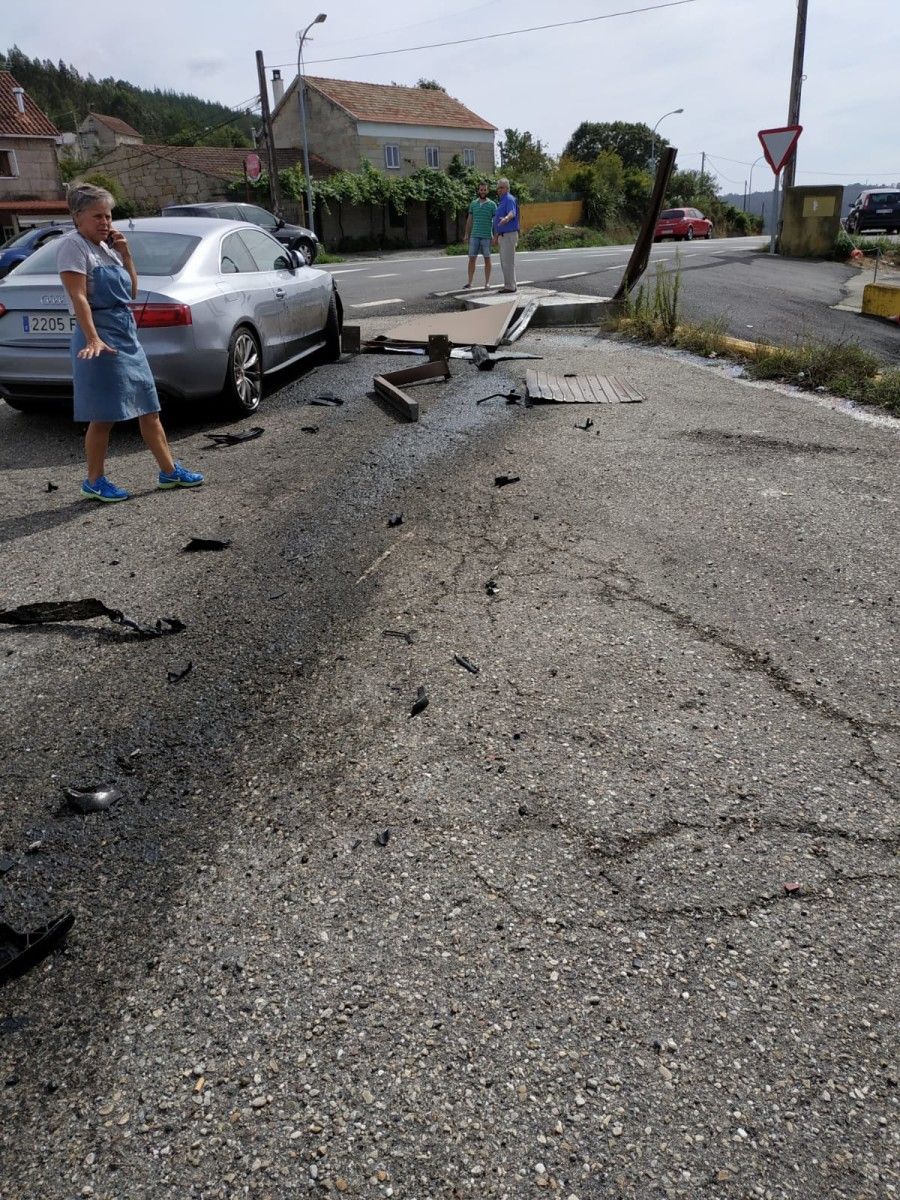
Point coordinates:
[(430, 85), (523, 154), (630, 140)]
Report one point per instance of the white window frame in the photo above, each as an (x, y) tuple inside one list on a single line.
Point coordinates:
[(12, 162), (433, 157), (469, 156), (392, 156)]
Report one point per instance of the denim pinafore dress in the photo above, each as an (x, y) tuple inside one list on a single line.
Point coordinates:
[(112, 387)]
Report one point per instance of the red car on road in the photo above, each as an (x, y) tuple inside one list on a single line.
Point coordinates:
[(682, 223)]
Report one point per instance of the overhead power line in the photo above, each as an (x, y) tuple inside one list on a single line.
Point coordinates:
[(488, 37)]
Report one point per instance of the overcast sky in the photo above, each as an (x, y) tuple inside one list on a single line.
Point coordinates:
[(727, 63)]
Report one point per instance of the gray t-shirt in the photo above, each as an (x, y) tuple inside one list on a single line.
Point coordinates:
[(76, 253)]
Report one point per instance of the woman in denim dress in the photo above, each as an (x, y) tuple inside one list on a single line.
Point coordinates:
[(110, 371)]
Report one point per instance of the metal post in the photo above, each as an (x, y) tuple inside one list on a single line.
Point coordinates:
[(310, 215), (640, 255), (796, 87), (653, 134), (274, 189), (774, 217)]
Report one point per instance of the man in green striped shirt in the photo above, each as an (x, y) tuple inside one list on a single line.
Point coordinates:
[(479, 226)]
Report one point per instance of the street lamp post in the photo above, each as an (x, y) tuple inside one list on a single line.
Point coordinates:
[(752, 165), (301, 37), (653, 135)]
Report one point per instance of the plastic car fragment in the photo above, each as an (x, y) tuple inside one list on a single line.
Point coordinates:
[(505, 480), (466, 663), (197, 544), (420, 703), (177, 676), (19, 952), (234, 439), (99, 798), (49, 612)]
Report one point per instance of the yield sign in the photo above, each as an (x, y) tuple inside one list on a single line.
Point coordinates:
[(779, 144)]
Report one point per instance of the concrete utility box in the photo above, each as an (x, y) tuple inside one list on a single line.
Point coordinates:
[(811, 218), (882, 300)]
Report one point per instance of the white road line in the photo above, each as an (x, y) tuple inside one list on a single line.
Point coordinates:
[(375, 303), (572, 275), (348, 270), (390, 275), (433, 270)]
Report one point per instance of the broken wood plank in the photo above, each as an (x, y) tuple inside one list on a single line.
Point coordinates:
[(515, 331), (397, 400), (580, 389)]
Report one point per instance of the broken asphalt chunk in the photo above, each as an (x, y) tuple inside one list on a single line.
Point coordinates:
[(97, 798), (420, 703), (197, 545), (491, 587), (394, 520), (382, 839), (49, 612), (464, 662), (505, 480), (19, 952), (235, 439), (177, 676)]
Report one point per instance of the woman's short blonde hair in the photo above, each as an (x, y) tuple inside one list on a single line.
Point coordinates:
[(84, 195)]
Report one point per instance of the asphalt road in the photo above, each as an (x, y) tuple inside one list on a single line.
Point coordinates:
[(615, 917), (728, 282)]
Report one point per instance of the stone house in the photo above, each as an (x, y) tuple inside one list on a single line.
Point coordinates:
[(31, 190), (398, 130), (154, 176), (98, 133)]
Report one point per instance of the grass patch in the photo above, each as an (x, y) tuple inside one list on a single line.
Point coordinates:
[(884, 248), (547, 237), (651, 314), (463, 248), (324, 257)]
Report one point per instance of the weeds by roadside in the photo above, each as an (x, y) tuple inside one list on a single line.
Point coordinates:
[(651, 314), (324, 257), (885, 248)]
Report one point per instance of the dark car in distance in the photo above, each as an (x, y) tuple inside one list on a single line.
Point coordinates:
[(875, 210), (296, 237), (18, 247)]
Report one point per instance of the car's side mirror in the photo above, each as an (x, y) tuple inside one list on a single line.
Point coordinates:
[(279, 223), (297, 259)]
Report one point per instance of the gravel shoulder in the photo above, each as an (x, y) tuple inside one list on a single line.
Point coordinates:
[(613, 917)]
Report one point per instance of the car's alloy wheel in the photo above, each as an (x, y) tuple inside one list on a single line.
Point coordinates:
[(244, 371), (308, 250), (690, 233)]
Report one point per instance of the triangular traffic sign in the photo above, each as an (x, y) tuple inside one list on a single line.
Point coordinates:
[(779, 144)]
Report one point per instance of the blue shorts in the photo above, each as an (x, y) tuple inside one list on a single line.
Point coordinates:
[(479, 246)]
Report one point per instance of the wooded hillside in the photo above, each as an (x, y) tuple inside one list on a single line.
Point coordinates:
[(67, 97)]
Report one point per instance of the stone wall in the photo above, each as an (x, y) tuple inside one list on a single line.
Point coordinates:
[(38, 170), (811, 218), (412, 152), (151, 182), (331, 132)]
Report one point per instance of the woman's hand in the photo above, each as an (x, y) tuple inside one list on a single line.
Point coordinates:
[(119, 243), (95, 347)]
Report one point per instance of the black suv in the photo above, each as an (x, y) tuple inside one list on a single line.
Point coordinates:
[(294, 236), (875, 210)]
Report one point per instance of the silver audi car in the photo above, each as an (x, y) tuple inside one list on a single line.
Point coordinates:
[(220, 305)]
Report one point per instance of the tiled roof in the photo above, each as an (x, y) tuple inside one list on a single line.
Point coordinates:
[(115, 125), (34, 206), (386, 102), (222, 162), (31, 123)]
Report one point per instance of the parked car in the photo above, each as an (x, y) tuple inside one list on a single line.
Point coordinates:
[(17, 248), (296, 237), (875, 210), (220, 305), (682, 223)]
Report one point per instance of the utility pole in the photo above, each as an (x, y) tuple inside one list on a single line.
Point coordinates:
[(796, 88), (274, 189), (702, 168)]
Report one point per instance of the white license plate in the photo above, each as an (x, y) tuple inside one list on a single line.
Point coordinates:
[(884, 210), (44, 323)]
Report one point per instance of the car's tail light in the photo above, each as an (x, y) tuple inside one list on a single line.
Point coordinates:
[(2, 310), (160, 315)]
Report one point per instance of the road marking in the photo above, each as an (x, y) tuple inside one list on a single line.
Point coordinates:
[(349, 270), (433, 270), (381, 557), (375, 303), (572, 275), (390, 275)]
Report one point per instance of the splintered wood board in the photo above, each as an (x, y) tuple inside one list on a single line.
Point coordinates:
[(580, 389), (477, 327)]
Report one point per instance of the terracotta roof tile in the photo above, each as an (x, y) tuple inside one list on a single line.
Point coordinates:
[(115, 125), (31, 123), (386, 102)]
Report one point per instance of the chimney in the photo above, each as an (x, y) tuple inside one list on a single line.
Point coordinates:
[(277, 87), (19, 93)]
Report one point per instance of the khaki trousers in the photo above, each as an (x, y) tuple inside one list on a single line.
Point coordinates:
[(508, 243)]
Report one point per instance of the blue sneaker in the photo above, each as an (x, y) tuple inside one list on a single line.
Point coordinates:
[(180, 477), (104, 490)]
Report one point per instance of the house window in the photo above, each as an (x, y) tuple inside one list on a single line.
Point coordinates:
[(8, 166), (392, 156), (432, 156), (468, 157)]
